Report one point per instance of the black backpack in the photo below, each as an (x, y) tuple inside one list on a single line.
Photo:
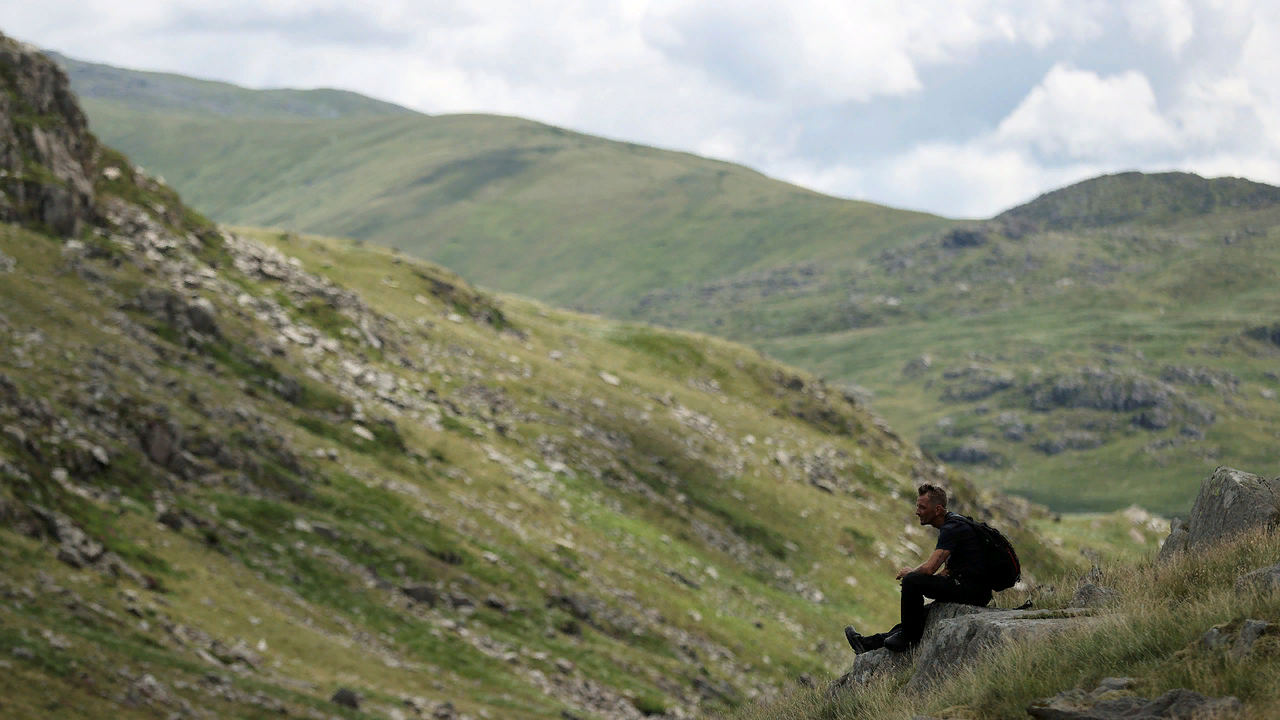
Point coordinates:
[(1000, 567)]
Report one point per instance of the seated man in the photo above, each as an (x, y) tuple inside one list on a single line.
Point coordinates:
[(960, 581)]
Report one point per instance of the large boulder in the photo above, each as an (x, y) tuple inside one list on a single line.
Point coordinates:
[(955, 635), (962, 640), (1231, 502)]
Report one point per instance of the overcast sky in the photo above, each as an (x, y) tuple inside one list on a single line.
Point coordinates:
[(959, 107)]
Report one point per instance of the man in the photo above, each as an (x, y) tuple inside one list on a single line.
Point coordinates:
[(961, 581)]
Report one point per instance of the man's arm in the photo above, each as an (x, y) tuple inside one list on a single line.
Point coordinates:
[(928, 567)]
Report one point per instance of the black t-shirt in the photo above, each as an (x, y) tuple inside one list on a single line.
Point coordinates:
[(958, 536)]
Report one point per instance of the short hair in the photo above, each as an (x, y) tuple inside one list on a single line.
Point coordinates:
[(936, 495)]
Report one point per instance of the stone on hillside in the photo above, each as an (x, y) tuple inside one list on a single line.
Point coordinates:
[(7, 264), (422, 592), (610, 379), (1090, 596), (1247, 637), (1231, 502), (346, 698), (917, 365), (1104, 704), (1262, 580), (75, 547), (1176, 542)]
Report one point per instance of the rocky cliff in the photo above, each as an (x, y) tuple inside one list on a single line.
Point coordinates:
[(47, 155)]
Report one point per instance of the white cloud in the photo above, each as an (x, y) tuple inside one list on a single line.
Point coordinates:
[(1170, 23), (1079, 114)]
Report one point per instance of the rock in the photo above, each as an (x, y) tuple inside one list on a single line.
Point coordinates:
[(610, 379), (75, 547), (422, 592), (961, 640), (1177, 704), (1262, 580), (1248, 636), (964, 237), (57, 191), (1092, 596), (1176, 542), (7, 264), (171, 519), (346, 698), (444, 711), (1231, 502), (917, 366), (975, 382), (974, 451)]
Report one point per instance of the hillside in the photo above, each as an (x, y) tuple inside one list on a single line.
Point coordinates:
[(1133, 280), (246, 474), (568, 218), (167, 92)]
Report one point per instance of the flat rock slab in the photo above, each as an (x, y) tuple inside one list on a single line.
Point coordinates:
[(1231, 502), (1174, 705)]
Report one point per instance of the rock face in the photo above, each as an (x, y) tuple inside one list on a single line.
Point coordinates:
[(45, 146), (1231, 502), (956, 635)]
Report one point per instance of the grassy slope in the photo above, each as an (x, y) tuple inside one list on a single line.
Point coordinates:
[(464, 504), (508, 203), (1153, 635)]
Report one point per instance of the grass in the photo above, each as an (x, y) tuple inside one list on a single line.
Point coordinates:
[(1152, 635)]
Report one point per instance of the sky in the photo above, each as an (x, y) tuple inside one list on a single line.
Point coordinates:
[(957, 107)]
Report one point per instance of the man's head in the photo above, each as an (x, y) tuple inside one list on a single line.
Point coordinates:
[(931, 504)]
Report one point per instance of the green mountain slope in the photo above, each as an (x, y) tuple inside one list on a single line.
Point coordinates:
[(1138, 276), (260, 474), (167, 92), (568, 218)]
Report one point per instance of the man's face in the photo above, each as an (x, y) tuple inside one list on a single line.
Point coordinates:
[(926, 510)]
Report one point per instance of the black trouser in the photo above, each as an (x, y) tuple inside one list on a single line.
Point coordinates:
[(918, 586)]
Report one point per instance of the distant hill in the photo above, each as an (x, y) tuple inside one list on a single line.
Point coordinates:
[(1134, 197), (509, 203), (166, 92)]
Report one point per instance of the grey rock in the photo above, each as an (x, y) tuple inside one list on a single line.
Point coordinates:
[(917, 366), (1231, 502), (422, 592), (959, 641), (876, 663), (1215, 638), (75, 547), (1248, 636), (1176, 542), (1177, 704), (1089, 595), (346, 698), (1262, 580)]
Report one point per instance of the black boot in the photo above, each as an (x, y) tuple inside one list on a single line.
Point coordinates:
[(856, 641), (898, 642)]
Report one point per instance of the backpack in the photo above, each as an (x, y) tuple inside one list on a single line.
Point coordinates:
[(1000, 566)]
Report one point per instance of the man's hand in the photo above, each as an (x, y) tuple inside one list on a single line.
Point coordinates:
[(904, 572)]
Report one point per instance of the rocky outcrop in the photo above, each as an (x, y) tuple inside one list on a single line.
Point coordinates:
[(46, 151), (1231, 502), (957, 635)]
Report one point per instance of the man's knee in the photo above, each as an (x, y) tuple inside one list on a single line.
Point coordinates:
[(913, 581)]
